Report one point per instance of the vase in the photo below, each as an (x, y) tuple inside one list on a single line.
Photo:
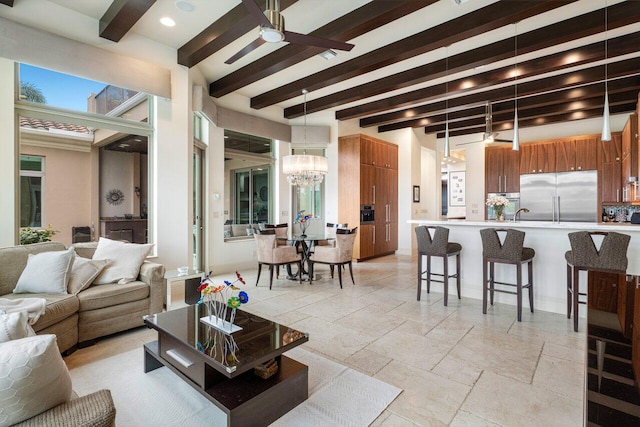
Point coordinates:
[(498, 210), (303, 229)]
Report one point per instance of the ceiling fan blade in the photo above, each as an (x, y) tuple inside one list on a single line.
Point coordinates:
[(248, 48), (503, 140), (297, 38), (257, 13)]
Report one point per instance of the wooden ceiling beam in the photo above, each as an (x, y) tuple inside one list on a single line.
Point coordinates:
[(472, 24), (356, 23), (551, 35), (231, 26), (573, 79), (7, 2), (121, 16), (531, 122)]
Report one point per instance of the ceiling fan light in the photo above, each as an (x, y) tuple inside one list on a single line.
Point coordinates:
[(271, 35), (488, 138)]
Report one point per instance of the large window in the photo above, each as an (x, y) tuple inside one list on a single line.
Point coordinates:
[(31, 190), (252, 195)]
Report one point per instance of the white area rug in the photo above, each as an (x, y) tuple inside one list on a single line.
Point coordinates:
[(338, 396)]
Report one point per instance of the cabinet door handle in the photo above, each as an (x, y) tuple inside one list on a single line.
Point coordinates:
[(572, 168), (617, 194), (179, 358), (539, 170), (374, 194), (505, 183), (374, 234), (499, 183)]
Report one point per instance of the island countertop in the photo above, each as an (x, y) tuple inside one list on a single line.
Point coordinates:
[(550, 241)]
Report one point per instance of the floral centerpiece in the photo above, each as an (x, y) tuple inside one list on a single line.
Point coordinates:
[(304, 220), (498, 203), (220, 299)]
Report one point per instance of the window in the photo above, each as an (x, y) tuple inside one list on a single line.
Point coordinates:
[(31, 189), (249, 183), (309, 198)]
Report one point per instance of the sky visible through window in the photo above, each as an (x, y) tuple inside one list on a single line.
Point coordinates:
[(61, 90)]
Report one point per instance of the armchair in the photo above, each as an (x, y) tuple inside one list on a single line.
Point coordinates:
[(269, 253), (339, 255)]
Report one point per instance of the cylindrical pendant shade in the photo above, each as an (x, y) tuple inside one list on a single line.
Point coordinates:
[(606, 124), (447, 149), (516, 132)]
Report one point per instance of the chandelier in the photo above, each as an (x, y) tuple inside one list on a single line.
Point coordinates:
[(304, 169)]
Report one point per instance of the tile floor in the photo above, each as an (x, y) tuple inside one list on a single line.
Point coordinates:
[(456, 366)]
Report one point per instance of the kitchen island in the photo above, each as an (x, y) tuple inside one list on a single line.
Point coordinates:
[(550, 241)]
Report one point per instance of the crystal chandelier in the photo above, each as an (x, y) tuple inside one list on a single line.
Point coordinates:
[(305, 169)]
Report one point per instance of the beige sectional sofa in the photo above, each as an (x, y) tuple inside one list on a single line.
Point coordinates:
[(96, 311)]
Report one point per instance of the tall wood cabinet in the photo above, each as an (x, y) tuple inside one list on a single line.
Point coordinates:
[(610, 171), (368, 175), (502, 166)]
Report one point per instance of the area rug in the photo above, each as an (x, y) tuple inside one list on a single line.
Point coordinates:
[(338, 396)]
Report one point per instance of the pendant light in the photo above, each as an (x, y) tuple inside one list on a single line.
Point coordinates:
[(606, 124), (303, 169), (488, 137), (516, 132), (447, 149)]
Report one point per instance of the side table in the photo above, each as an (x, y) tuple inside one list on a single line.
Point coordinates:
[(191, 281)]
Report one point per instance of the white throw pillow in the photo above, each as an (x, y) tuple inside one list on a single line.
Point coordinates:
[(126, 259), (83, 273), (33, 378), (14, 326), (46, 273)]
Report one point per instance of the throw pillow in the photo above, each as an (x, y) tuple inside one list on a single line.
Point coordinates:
[(14, 326), (83, 273), (126, 259), (33, 378), (46, 273)]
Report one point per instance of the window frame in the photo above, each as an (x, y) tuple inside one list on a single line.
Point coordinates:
[(34, 174)]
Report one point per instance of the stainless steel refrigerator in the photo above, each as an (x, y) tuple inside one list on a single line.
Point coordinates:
[(565, 196)]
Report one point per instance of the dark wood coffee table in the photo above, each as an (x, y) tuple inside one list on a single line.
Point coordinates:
[(184, 345)]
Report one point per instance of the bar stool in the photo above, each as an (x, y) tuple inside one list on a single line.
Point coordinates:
[(438, 246), (583, 256), (510, 252)]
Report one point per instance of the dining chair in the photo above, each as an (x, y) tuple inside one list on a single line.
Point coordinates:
[(282, 232), (330, 234), (583, 256), (339, 255), (269, 253), (512, 252)]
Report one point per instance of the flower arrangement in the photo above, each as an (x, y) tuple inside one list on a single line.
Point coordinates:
[(304, 220), (220, 297), (497, 203)]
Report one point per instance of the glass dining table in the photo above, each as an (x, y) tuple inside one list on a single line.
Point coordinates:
[(305, 243)]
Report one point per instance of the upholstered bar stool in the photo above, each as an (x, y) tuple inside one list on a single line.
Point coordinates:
[(511, 251), (583, 256), (438, 246)]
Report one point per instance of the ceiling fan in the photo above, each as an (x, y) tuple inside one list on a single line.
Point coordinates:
[(272, 31), (489, 136)]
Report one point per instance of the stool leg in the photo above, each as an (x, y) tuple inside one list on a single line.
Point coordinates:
[(491, 280), (445, 267), (428, 273), (530, 273), (575, 292), (519, 288), (419, 275), (569, 292), (484, 286), (458, 273)]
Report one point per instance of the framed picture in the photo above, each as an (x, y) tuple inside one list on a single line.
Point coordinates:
[(416, 194), (457, 188)]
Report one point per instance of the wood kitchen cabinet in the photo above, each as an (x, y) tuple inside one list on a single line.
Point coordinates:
[(626, 294), (537, 158), (630, 156), (610, 171), (603, 291), (502, 170), (368, 175)]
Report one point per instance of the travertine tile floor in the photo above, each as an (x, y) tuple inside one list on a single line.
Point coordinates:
[(455, 365)]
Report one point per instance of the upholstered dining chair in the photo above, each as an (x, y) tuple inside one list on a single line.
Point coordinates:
[(437, 246), (269, 253), (583, 256), (282, 232), (339, 255), (512, 252)]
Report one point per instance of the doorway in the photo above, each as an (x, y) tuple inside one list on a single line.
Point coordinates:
[(198, 227)]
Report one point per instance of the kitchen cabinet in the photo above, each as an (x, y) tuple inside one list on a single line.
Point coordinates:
[(502, 170), (626, 294), (368, 175), (577, 154), (537, 158), (603, 291), (630, 156), (610, 171)]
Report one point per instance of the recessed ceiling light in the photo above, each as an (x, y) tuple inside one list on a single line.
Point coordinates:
[(123, 145), (328, 54), (185, 6), (167, 22)]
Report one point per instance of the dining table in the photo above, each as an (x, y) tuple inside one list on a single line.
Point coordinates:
[(304, 243)]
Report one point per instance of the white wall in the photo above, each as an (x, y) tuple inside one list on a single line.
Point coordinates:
[(9, 157), (116, 173)]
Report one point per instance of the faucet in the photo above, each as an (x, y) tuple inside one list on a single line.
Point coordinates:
[(515, 215)]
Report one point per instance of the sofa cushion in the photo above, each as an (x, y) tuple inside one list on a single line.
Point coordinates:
[(85, 249), (83, 273), (33, 378), (46, 272), (13, 260), (59, 307), (14, 326), (125, 258), (112, 294)]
